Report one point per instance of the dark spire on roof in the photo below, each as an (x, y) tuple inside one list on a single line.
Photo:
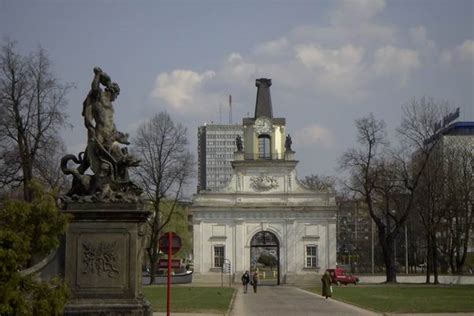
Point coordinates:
[(263, 106)]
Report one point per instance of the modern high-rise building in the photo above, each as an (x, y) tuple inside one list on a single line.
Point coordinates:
[(216, 147)]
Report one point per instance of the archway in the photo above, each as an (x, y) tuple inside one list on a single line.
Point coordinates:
[(265, 257)]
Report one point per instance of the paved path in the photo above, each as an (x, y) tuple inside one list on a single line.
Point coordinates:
[(287, 300)]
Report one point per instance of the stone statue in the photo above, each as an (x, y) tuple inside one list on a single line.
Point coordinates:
[(288, 143), (104, 155), (238, 142)]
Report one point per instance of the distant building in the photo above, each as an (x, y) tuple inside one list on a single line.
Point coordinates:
[(216, 147), (355, 234), (458, 134)]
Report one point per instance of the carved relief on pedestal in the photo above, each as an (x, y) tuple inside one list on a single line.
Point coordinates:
[(100, 259), (263, 183)]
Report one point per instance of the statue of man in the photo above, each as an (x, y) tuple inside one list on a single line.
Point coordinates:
[(238, 142), (288, 143), (98, 108), (103, 145), (104, 155)]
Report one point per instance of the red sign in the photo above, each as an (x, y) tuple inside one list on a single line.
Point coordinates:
[(163, 242)]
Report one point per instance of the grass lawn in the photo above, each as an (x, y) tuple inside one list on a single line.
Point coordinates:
[(190, 299), (407, 298)]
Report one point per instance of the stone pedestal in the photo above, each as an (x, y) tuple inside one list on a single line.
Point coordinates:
[(103, 259), (238, 155), (289, 155)]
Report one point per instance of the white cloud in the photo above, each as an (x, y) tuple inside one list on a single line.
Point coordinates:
[(391, 60), (461, 53), (368, 34), (465, 51), (237, 69), (352, 21), (314, 135), (234, 58), (272, 47), (419, 37), (327, 61), (334, 61), (180, 88), (356, 11), (338, 72)]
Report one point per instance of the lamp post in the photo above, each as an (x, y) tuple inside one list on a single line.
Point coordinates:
[(372, 244), (394, 240), (406, 249)]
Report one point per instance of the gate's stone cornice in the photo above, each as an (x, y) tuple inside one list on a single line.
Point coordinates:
[(274, 216)]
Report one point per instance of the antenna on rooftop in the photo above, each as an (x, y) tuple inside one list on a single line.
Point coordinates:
[(220, 113), (230, 109)]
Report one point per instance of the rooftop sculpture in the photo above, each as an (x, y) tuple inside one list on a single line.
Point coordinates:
[(105, 154)]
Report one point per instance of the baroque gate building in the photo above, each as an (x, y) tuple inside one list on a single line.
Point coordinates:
[(264, 219)]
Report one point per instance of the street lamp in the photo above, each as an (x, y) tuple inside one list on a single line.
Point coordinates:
[(372, 241), (394, 239), (406, 249)]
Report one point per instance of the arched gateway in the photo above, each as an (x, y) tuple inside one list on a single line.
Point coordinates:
[(264, 218), (265, 257)]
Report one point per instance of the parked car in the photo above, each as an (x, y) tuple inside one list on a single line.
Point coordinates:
[(340, 276)]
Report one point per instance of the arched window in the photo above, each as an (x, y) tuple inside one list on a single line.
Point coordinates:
[(264, 147)]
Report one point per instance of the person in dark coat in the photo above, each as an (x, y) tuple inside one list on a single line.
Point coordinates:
[(255, 281), (245, 280), (326, 284)]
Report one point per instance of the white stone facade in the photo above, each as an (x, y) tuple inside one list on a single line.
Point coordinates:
[(298, 217), (264, 198)]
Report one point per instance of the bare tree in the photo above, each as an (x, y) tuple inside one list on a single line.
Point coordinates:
[(32, 102), (429, 205), (424, 174), (48, 165), (319, 182), (165, 169), (387, 180), (369, 179)]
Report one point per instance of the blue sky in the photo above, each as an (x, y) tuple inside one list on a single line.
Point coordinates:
[(330, 61)]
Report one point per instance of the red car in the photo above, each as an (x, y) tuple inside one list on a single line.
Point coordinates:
[(340, 276)]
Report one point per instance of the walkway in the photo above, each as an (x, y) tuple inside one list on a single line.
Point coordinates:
[(286, 300)]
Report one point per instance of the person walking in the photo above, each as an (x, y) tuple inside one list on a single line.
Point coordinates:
[(326, 284), (245, 280), (254, 281)]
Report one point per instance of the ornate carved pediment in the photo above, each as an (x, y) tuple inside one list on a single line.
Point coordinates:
[(263, 183)]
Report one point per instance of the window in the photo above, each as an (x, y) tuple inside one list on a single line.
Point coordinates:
[(311, 256), (264, 151), (219, 255)]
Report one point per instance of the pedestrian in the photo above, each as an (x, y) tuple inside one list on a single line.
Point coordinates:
[(245, 280), (254, 281), (326, 284)]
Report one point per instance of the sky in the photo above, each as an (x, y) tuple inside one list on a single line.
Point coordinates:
[(330, 62)]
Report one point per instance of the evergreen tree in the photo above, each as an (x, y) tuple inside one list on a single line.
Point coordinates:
[(29, 230)]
